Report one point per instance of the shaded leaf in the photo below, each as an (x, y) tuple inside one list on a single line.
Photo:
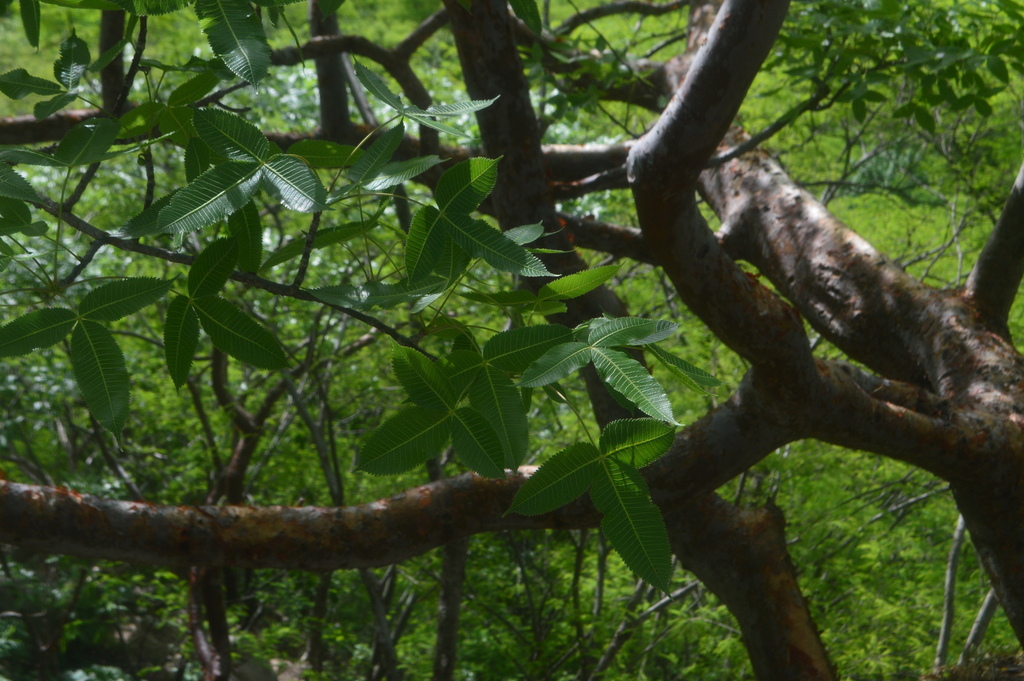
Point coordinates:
[(87, 142), (117, 299), (141, 119), (528, 12), (238, 334), (324, 237), (14, 186), (18, 83), (213, 196), (375, 84), (637, 442), (481, 241), (101, 374), (425, 243), (230, 135), (421, 379), (684, 370), (463, 186), (476, 443), (556, 364), (30, 20), (147, 221), (563, 478), (181, 335), (379, 294), (37, 329), (404, 441), (212, 268), (72, 62), (629, 331), (244, 225), (377, 156), (515, 350), (294, 184), (494, 396), (193, 89), (51, 106), (27, 156), (324, 154)]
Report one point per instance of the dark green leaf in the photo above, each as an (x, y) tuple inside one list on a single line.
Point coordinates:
[(146, 222), (515, 350), (177, 121), (51, 106), (637, 442), (193, 89), (324, 237), (377, 156), (212, 268), (121, 298), (631, 379), (292, 183), (477, 444), (425, 244), (685, 370), (481, 241), (629, 331), (101, 374), (230, 135), (214, 195), (379, 294), (494, 396), (238, 334), (375, 84), (141, 119), (14, 186), (30, 19), (527, 11), (324, 154), (18, 83), (421, 380), (236, 36), (245, 226), (556, 364), (181, 335), (567, 475), (34, 330), (198, 158), (404, 441), (27, 156), (72, 62), (463, 186), (87, 142)]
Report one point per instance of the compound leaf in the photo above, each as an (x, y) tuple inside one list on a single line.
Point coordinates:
[(405, 440), (567, 475), (238, 334), (117, 299), (37, 329), (101, 374)]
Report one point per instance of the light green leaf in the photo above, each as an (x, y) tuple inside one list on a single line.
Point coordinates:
[(685, 371), (630, 378), (494, 396), (463, 186), (37, 329), (194, 89), (637, 442), (14, 186), (236, 36), (244, 225), (117, 299), (329, 7), (87, 142), (146, 222), (84, 4), (214, 195), (527, 11), (27, 156), (18, 83), (375, 84), (431, 122), (397, 172), (629, 331), (453, 109), (238, 334), (141, 119), (515, 350), (177, 121), (101, 374), (324, 154), (181, 335), (556, 364), (421, 380), (72, 62), (574, 285), (476, 443), (425, 243), (516, 297), (404, 441), (324, 237), (567, 475), (378, 294), (377, 156), (294, 184), (30, 20), (632, 523), (480, 240), (527, 234), (230, 135), (51, 106), (212, 268)]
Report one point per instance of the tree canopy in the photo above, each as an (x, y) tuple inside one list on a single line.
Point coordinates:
[(629, 339)]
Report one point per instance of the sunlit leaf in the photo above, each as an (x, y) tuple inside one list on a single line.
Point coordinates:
[(684, 370), (563, 478), (236, 36), (181, 335), (37, 329), (193, 89), (404, 441), (72, 62), (373, 160), (100, 373), (397, 172), (376, 85), (526, 234), (629, 331), (238, 334), (516, 349), (480, 240), (556, 364), (425, 243), (294, 184), (574, 285), (117, 299), (463, 186), (214, 195), (230, 135), (631, 379), (141, 119), (637, 442)]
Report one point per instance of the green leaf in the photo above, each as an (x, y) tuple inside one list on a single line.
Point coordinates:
[(397, 172), (244, 225), (115, 51), (515, 350), (18, 83), (324, 154), (480, 240), (14, 186), (212, 268), (463, 186), (494, 396), (324, 237), (101, 374), (632, 523), (421, 380), (377, 156), (378, 294), (556, 364), (630, 378), (141, 119), (27, 156), (375, 84), (181, 335), (684, 370), (51, 106), (637, 442), (567, 475), (198, 158), (214, 195), (294, 184), (329, 7), (193, 89), (629, 331), (30, 20), (528, 234), (574, 285), (37, 329), (425, 243), (503, 298), (72, 62), (476, 443), (238, 334), (527, 11), (84, 4), (15, 217), (230, 135), (118, 299), (177, 121), (146, 222), (236, 36), (460, 368), (87, 142), (404, 441)]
